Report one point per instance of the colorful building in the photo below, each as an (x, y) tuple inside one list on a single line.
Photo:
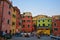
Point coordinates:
[(27, 24), (18, 20), (44, 24), (5, 15), (56, 25), (34, 23), (13, 17), (45, 31), (36, 18)]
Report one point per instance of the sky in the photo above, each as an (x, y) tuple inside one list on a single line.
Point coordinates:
[(38, 7)]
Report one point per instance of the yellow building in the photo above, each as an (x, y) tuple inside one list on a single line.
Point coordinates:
[(41, 30), (45, 31), (34, 20), (38, 17), (13, 28)]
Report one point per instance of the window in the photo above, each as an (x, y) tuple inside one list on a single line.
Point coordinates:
[(28, 25), (43, 20), (6, 31), (39, 25), (38, 20), (9, 12), (10, 31), (14, 16), (54, 24), (13, 23), (24, 13), (49, 20), (19, 23), (48, 24), (55, 29), (13, 30), (8, 21), (43, 25), (28, 20), (28, 16), (23, 26), (23, 20)]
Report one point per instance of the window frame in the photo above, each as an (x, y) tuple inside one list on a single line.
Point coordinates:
[(55, 24), (39, 25), (9, 12), (43, 25), (38, 20), (14, 16), (23, 20), (43, 20), (13, 23), (8, 21), (55, 29), (19, 23), (28, 25), (28, 20), (23, 26), (28, 16)]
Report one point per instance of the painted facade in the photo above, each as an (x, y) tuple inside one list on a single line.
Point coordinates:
[(44, 22), (56, 25), (27, 24), (36, 18), (5, 16), (13, 17), (45, 25), (18, 19), (45, 31)]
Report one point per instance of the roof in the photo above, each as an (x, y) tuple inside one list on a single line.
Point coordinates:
[(16, 8), (27, 14), (9, 2)]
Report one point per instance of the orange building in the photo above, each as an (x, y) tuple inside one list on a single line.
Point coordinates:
[(27, 24)]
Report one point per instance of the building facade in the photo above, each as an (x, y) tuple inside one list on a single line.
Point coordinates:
[(44, 25), (18, 20), (13, 18), (27, 24), (5, 15), (56, 25), (35, 22), (44, 22)]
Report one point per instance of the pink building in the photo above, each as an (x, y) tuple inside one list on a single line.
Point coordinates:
[(5, 15)]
